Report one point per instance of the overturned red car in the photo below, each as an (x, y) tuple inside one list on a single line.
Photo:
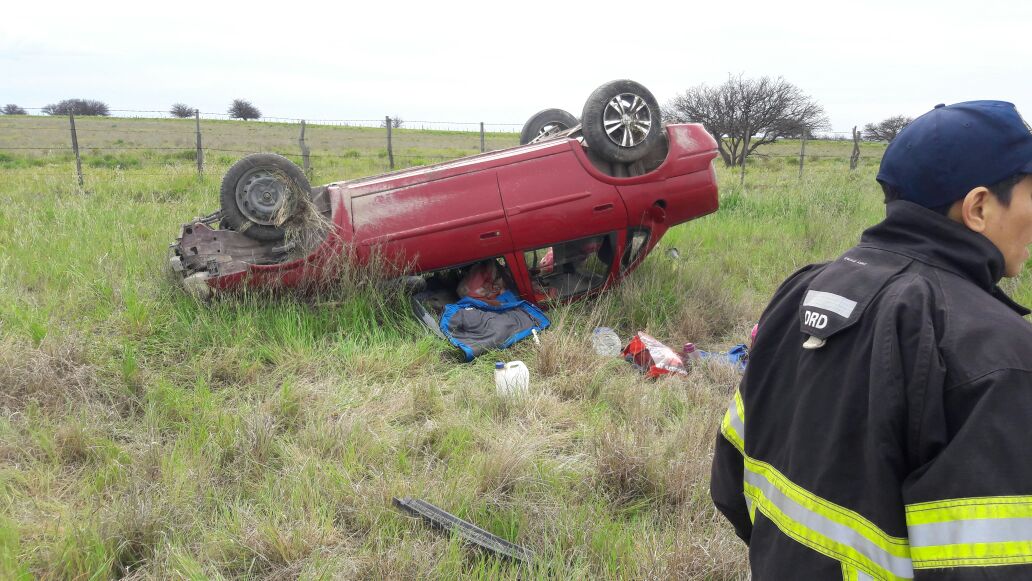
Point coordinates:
[(565, 215)]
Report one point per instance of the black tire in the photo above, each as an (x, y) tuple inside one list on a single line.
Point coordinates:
[(259, 193), (621, 121), (547, 121)]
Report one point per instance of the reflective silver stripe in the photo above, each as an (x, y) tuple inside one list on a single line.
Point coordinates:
[(861, 576), (899, 566), (736, 420), (971, 531), (829, 302)]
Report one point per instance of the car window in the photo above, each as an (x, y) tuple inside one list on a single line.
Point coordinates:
[(569, 268), (637, 240)]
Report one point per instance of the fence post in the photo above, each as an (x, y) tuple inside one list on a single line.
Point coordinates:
[(305, 153), (802, 154), (854, 158), (390, 148), (75, 148), (482, 149), (200, 149)]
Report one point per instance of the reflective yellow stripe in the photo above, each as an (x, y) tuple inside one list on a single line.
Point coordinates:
[(971, 532), (851, 573), (825, 527), (733, 424), (865, 550)]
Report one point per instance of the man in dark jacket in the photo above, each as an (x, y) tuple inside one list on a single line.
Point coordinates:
[(881, 430)]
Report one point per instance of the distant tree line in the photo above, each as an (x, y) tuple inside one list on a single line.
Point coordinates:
[(239, 109), (78, 107)]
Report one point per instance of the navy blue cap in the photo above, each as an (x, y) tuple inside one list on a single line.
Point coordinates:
[(945, 153)]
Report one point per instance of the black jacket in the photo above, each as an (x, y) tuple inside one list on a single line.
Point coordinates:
[(898, 445)]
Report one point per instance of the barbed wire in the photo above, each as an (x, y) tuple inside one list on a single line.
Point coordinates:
[(342, 122), (378, 155)]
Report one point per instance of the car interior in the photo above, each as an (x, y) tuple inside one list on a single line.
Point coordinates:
[(570, 268)]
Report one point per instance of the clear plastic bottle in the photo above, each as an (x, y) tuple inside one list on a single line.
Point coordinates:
[(606, 342), (690, 353)]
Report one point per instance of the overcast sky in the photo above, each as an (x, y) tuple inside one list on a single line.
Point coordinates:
[(500, 62)]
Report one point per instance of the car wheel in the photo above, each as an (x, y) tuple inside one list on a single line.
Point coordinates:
[(545, 123), (621, 121), (259, 193)]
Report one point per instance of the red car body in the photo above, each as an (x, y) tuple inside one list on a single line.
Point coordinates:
[(501, 204)]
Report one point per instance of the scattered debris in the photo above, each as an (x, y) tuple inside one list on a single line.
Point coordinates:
[(606, 342), (651, 357), (441, 519), (475, 326), (512, 378), (690, 352), (737, 356)]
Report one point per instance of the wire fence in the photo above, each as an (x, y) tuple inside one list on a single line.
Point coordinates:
[(343, 148)]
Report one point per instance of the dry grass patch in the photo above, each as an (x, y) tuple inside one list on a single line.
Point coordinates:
[(510, 458), (624, 470), (53, 375)]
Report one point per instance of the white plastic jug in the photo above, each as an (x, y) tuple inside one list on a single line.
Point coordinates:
[(512, 378)]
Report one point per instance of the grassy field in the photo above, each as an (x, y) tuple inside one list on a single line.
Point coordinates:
[(147, 435)]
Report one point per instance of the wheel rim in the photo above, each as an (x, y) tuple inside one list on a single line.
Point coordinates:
[(627, 119), (261, 195), (552, 128)]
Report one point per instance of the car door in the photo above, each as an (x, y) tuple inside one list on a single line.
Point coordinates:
[(552, 198), (434, 224)]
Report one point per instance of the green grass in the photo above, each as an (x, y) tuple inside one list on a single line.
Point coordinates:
[(263, 437)]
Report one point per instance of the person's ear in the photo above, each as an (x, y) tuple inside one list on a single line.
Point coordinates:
[(975, 209)]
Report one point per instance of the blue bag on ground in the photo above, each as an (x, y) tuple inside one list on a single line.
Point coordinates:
[(476, 327), (737, 356)]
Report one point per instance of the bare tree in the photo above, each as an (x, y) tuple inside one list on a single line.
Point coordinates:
[(396, 122), (12, 109), (181, 111), (241, 109), (743, 114), (77, 107), (887, 129)]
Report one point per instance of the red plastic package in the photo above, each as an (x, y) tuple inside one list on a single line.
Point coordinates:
[(652, 357)]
